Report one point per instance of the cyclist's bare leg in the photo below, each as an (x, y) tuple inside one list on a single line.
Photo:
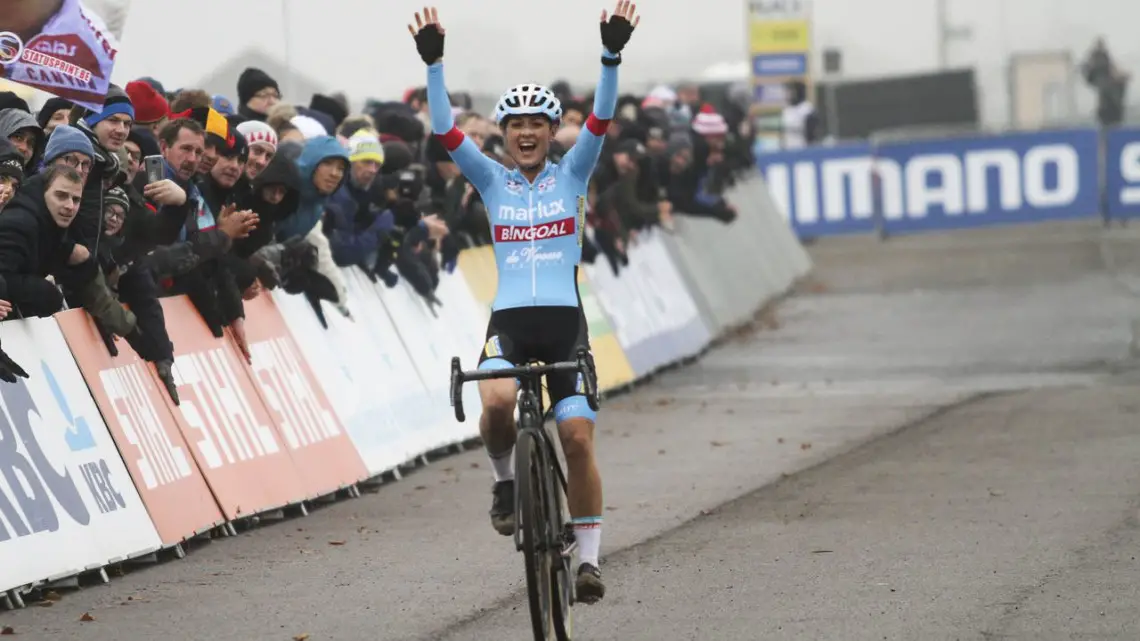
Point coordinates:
[(497, 427), (584, 490)]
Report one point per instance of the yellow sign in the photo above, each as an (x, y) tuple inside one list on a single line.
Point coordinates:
[(779, 36)]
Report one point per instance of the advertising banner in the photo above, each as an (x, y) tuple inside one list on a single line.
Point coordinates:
[(70, 53), (230, 432), (925, 185), (1122, 168), (135, 407), (314, 434), (67, 503)]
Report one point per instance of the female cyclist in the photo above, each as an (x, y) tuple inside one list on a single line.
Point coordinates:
[(537, 214)]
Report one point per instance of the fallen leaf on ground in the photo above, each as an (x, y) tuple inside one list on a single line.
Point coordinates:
[(421, 487), (660, 451), (301, 637), (610, 508), (780, 440), (336, 542), (52, 595), (86, 617), (664, 401), (46, 604), (474, 466), (716, 444), (805, 446), (7, 630)]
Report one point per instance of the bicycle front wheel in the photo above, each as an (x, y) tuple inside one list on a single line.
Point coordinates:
[(530, 474)]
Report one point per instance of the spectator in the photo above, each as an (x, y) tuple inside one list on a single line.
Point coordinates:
[(262, 141), (257, 93), (11, 172), (356, 225), (19, 128), (55, 112), (801, 126), (1109, 81), (35, 247), (323, 166)]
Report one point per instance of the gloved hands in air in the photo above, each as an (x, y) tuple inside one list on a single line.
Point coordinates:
[(428, 33), (617, 30), (9, 370)]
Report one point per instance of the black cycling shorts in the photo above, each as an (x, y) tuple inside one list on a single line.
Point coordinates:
[(547, 334)]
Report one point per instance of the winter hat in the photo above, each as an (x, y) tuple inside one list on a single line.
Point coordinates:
[(222, 105), (709, 123), (150, 106), (251, 81), (116, 196), (218, 130), (397, 156), (117, 102), (364, 145), (65, 140), (326, 120), (156, 85), (52, 105), (144, 138), (9, 100), (258, 133), (11, 162), (330, 106), (308, 126)]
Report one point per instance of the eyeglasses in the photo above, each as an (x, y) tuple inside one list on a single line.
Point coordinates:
[(78, 163)]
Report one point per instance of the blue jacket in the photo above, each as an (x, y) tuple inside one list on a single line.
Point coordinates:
[(355, 225), (312, 205)]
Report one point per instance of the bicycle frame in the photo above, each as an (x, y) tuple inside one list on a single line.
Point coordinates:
[(530, 398), (549, 546)]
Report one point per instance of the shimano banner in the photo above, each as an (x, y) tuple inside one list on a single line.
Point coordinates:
[(823, 191), (935, 185), (1122, 166)]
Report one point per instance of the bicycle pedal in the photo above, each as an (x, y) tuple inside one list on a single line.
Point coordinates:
[(569, 550)]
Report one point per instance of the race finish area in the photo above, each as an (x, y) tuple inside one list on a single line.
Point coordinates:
[(933, 439)]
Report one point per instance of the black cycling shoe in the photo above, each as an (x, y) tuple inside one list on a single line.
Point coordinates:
[(589, 586), (503, 507)]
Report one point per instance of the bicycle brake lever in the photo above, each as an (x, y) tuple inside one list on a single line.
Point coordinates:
[(587, 373), (457, 389)]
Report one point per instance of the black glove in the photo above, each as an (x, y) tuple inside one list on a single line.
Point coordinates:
[(429, 42), (9, 370), (615, 33)]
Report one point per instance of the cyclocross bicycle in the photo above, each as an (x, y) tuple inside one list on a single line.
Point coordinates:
[(543, 531)]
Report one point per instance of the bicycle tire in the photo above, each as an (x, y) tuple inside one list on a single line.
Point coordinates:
[(532, 519), (562, 578)]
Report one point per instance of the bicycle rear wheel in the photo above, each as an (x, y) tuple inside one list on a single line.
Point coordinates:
[(562, 578), (531, 484)]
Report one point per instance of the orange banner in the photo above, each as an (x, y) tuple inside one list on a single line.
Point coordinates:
[(313, 433), (231, 434), (131, 399)]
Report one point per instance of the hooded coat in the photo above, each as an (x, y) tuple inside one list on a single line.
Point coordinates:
[(312, 203)]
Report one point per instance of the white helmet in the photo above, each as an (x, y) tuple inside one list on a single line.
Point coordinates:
[(524, 100)]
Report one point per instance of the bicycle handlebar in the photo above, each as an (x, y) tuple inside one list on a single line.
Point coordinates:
[(582, 365)]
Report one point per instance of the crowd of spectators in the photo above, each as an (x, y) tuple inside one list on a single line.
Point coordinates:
[(182, 192)]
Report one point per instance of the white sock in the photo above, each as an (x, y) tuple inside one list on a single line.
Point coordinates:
[(503, 465), (588, 534)]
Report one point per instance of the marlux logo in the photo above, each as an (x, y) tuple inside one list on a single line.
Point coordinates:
[(542, 210), (508, 234), (1047, 176)]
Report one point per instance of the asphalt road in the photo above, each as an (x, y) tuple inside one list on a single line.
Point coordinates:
[(937, 439)]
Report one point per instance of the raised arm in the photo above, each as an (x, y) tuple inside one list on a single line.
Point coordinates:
[(479, 169), (583, 156)]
